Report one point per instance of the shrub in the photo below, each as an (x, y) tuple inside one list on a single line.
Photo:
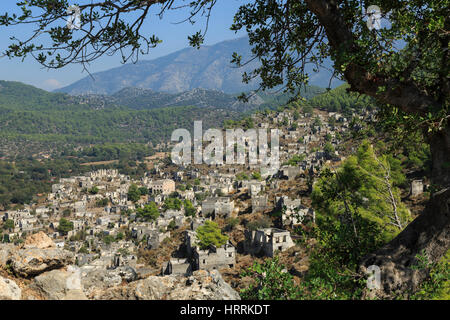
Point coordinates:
[(102, 202), (263, 222), (8, 224), (231, 223), (271, 282), (172, 225), (437, 285), (143, 191), (172, 203), (93, 190)]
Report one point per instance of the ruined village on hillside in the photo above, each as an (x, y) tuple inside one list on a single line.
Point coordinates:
[(124, 238)]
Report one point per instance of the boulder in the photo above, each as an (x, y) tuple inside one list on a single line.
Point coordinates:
[(202, 285), (60, 284), (39, 240), (9, 290), (34, 261)]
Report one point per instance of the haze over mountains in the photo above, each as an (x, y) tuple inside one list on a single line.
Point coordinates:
[(184, 70)]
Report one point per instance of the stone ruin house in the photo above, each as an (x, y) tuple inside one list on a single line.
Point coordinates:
[(23, 220), (293, 211), (220, 188), (187, 194), (289, 172), (178, 266), (253, 187), (171, 215), (214, 258), (119, 260), (197, 222), (82, 259), (269, 170), (78, 225), (267, 241), (42, 210), (155, 237), (190, 239), (156, 198), (259, 203), (139, 231), (211, 258), (220, 206), (164, 186), (178, 176)]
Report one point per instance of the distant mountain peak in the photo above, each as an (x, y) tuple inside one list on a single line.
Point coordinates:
[(184, 70)]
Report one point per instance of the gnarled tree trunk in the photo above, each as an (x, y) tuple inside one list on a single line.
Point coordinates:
[(428, 234)]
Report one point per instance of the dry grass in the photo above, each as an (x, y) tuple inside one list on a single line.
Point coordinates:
[(99, 163)]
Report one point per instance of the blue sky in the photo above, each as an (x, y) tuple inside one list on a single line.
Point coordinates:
[(174, 38)]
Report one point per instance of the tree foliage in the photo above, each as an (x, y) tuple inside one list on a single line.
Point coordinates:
[(149, 212), (133, 193), (189, 209), (8, 224), (210, 234), (367, 185), (172, 203), (271, 281), (65, 226), (404, 66), (333, 269)]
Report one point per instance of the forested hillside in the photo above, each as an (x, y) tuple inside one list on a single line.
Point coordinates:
[(35, 121), (87, 126), (339, 100)]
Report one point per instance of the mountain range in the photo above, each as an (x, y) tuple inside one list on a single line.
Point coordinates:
[(144, 99), (207, 68)]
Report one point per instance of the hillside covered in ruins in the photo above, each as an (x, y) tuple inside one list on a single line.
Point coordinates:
[(344, 187)]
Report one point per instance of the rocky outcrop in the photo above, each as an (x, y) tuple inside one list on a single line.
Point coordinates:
[(9, 290), (60, 284), (97, 279), (37, 255), (5, 253), (54, 277), (202, 285), (34, 261), (39, 240)]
